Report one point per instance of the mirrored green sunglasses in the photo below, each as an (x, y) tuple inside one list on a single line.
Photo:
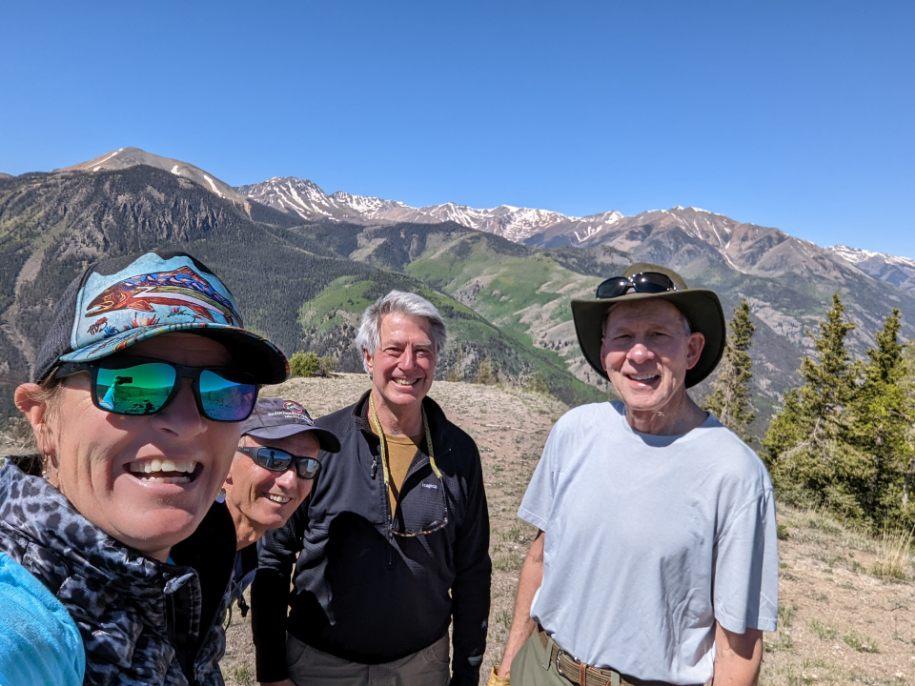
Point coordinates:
[(144, 386)]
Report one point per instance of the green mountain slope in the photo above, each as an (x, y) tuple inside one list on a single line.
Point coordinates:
[(526, 291)]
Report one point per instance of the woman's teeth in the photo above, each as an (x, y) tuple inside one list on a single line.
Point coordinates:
[(164, 471), (280, 499)]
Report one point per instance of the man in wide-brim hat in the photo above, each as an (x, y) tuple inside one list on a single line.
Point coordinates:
[(655, 561)]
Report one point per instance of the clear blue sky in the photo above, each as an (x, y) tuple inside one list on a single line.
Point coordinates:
[(799, 115)]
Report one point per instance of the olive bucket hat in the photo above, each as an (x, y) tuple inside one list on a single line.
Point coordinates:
[(643, 281)]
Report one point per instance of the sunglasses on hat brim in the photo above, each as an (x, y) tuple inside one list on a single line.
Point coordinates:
[(643, 282), (138, 386)]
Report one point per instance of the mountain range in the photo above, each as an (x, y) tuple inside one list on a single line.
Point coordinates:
[(744, 247), (304, 264)]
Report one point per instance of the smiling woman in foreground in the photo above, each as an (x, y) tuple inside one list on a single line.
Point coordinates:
[(139, 390)]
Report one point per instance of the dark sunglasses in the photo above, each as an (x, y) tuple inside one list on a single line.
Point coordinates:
[(644, 282), (276, 460), (143, 386)]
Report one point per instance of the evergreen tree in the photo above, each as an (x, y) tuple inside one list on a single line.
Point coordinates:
[(730, 397), (908, 391), (805, 444), (880, 419), (885, 364), (786, 428), (828, 380)]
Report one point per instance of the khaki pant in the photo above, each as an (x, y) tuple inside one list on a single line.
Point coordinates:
[(310, 667), (531, 666)]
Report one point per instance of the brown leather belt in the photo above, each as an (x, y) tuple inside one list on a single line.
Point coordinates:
[(585, 675)]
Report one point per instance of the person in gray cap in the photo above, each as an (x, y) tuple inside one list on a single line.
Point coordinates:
[(655, 560), (272, 473)]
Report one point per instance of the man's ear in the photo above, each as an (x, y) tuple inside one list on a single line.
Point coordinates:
[(694, 349), (368, 359)]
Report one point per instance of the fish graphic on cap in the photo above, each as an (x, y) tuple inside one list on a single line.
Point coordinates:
[(178, 288)]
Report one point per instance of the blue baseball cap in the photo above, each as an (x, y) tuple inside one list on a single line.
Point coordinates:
[(121, 301)]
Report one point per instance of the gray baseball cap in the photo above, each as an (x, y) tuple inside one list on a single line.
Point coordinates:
[(279, 418)]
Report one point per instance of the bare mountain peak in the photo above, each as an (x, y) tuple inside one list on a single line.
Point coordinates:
[(123, 158), (691, 208)]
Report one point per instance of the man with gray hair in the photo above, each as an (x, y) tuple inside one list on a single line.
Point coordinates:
[(393, 546)]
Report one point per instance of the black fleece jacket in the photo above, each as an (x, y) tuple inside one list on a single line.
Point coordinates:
[(362, 593)]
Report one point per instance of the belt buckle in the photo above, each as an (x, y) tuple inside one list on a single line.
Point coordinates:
[(558, 660), (582, 677), (575, 678)]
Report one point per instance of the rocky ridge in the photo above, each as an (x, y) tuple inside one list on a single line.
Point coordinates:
[(744, 247)]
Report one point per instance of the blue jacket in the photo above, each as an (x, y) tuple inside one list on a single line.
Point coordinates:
[(141, 621), (39, 643)]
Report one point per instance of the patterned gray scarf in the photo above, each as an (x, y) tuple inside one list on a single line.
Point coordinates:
[(132, 611)]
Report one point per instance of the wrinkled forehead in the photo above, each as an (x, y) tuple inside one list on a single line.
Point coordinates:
[(403, 327), (644, 312)]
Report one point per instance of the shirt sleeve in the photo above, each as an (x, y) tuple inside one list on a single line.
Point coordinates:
[(538, 498), (746, 568)]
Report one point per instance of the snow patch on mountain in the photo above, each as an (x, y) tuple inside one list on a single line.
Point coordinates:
[(694, 209), (212, 185), (307, 200), (756, 250), (857, 255), (98, 164), (368, 205)]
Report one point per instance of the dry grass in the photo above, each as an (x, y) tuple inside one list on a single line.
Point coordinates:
[(847, 625), (894, 556)]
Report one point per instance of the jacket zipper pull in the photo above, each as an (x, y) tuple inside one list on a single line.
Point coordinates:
[(374, 466)]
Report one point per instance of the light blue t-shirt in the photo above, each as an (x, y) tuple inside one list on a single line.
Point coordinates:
[(648, 541), (39, 642)]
